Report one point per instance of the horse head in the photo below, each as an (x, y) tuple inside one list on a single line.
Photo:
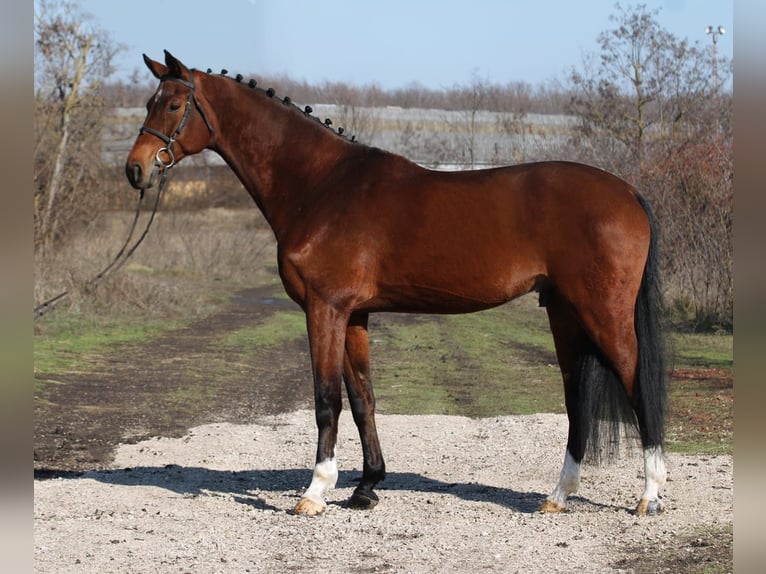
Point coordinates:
[(176, 125)]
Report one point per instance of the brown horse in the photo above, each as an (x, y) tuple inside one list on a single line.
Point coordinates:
[(361, 230)]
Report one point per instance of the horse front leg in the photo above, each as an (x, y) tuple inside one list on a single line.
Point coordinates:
[(327, 334), (356, 370)]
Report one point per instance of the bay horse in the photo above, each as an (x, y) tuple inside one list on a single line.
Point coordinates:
[(361, 230)]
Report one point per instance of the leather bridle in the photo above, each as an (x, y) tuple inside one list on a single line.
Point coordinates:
[(170, 140)]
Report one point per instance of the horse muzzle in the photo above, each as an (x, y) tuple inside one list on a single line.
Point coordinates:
[(138, 176)]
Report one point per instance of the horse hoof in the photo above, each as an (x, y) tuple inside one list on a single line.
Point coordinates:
[(310, 506), (366, 500), (550, 506), (649, 507)]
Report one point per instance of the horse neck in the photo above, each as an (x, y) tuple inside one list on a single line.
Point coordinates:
[(278, 154)]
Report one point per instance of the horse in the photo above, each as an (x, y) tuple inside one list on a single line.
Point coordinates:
[(360, 230)]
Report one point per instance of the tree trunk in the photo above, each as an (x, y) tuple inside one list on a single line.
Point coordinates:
[(49, 220)]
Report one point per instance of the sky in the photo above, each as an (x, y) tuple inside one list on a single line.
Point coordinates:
[(393, 44)]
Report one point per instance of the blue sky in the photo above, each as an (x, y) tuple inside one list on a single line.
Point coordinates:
[(437, 43)]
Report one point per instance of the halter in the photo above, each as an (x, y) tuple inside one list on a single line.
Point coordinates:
[(170, 140)]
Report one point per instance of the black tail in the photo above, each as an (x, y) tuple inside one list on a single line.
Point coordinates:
[(605, 411), (650, 379)]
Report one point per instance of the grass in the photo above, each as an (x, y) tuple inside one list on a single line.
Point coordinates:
[(702, 350), (495, 362), (274, 331), (65, 342), (187, 261), (71, 343), (701, 412), (701, 394)]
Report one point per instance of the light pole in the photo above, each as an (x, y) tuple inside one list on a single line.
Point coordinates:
[(715, 32)]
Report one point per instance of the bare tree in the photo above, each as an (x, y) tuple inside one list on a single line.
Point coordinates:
[(72, 58), (470, 99), (692, 192), (647, 113), (645, 82)]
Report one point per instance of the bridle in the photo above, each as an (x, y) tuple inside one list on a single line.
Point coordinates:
[(170, 140)]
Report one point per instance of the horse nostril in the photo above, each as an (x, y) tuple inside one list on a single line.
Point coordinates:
[(133, 172)]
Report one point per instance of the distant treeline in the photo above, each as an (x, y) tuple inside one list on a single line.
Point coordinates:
[(475, 93)]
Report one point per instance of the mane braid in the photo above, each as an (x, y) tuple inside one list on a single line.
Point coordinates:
[(288, 101)]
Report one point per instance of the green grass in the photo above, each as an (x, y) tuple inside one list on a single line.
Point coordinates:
[(701, 412), (502, 362), (702, 350), (495, 362), (701, 394), (274, 331), (65, 342)]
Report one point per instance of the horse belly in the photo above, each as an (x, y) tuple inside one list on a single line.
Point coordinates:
[(455, 284), (459, 256)]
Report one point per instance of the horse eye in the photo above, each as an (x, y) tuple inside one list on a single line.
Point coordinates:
[(174, 106)]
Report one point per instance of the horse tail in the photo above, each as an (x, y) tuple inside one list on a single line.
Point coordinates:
[(606, 413), (650, 378)]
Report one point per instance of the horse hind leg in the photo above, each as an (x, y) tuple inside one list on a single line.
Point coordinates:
[(644, 394), (620, 385), (569, 340), (650, 375), (608, 340), (651, 383), (630, 343), (655, 476)]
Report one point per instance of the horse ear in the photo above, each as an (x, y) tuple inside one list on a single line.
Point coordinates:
[(155, 67), (175, 67)]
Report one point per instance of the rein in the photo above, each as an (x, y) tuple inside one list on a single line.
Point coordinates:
[(124, 253)]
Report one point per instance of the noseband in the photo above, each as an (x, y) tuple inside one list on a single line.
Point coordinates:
[(170, 140)]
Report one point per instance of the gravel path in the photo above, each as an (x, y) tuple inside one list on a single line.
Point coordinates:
[(460, 497)]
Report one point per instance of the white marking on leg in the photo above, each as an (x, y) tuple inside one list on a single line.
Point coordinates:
[(655, 474), (324, 478), (569, 481)]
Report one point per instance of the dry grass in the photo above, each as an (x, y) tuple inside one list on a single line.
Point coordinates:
[(174, 271)]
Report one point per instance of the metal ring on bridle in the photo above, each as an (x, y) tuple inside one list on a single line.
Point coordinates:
[(158, 160)]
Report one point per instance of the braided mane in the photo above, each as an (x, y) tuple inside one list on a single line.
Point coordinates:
[(271, 93)]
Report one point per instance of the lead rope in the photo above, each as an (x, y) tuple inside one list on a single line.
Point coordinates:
[(122, 255)]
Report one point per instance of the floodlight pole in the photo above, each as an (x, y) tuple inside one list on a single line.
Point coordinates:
[(715, 32)]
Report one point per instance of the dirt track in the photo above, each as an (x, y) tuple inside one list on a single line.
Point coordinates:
[(148, 390), (460, 496)]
